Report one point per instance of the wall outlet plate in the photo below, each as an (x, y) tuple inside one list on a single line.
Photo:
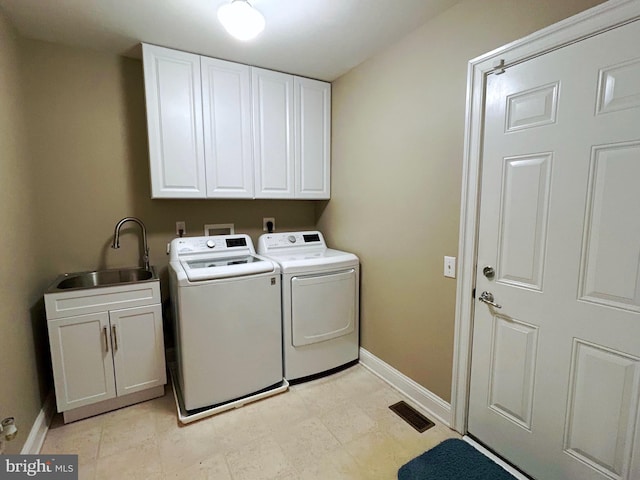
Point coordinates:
[(265, 220), (181, 226)]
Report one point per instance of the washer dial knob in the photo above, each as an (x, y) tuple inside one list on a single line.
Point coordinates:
[(211, 243), (292, 238)]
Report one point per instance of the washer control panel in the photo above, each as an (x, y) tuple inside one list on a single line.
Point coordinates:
[(277, 241), (217, 243)]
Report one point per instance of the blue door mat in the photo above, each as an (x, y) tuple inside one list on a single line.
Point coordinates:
[(453, 459)]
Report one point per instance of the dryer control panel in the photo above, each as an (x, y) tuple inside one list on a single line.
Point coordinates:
[(278, 241)]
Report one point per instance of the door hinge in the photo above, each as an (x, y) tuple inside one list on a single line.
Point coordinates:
[(498, 67)]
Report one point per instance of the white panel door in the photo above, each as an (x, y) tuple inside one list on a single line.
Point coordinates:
[(273, 133), (174, 123), (312, 100), (138, 348), (555, 381), (226, 97), (81, 360)]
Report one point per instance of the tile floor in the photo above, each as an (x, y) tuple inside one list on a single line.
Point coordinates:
[(337, 427)]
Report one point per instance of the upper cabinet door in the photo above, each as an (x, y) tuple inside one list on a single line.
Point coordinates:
[(273, 133), (312, 138), (226, 97), (174, 122)]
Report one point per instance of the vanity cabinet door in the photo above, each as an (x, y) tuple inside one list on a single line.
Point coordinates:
[(138, 348), (173, 93), (82, 361)]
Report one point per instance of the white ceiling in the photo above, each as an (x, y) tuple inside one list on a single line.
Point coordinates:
[(315, 38)]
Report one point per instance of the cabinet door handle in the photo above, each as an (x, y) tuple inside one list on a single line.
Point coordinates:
[(106, 340), (114, 337)]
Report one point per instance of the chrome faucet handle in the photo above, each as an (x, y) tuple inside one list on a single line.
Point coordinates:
[(145, 259)]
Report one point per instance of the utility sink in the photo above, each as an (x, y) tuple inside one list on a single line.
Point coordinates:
[(73, 294), (102, 278)]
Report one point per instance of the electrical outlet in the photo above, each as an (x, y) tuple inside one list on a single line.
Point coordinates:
[(450, 267), (181, 229), (266, 220)]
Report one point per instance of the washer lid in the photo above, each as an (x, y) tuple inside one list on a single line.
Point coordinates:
[(200, 268)]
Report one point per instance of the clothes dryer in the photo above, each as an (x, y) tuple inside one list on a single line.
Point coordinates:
[(320, 302)]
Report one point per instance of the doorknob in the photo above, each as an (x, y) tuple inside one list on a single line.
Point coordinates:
[(487, 297)]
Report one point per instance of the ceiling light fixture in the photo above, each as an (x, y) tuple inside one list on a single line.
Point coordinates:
[(241, 20)]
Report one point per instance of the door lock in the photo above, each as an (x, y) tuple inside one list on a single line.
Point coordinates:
[(489, 272), (487, 297)]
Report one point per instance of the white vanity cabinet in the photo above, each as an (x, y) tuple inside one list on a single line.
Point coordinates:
[(106, 359), (220, 129)]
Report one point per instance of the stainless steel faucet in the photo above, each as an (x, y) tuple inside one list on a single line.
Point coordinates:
[(116, 238)]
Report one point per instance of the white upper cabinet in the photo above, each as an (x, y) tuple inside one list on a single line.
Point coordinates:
[(220, 129), (174, 122), (312, 100), (273, 133), (226, 106)]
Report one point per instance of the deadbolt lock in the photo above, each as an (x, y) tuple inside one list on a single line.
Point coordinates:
[(489, 272)]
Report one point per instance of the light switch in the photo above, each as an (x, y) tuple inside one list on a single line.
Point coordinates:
[(450, 267)]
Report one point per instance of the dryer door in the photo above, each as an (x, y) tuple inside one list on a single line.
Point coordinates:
[(322, 306)]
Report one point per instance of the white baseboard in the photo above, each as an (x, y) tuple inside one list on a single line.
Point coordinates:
[(40, 427), (431, 404)]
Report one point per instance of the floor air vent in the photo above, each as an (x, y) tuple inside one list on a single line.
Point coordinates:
[(412, 416)]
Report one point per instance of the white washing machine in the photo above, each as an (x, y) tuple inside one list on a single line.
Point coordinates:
[(227, 320), (320, 302)]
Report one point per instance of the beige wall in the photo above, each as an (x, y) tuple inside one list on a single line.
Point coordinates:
[(398, 126), (20, 283)]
